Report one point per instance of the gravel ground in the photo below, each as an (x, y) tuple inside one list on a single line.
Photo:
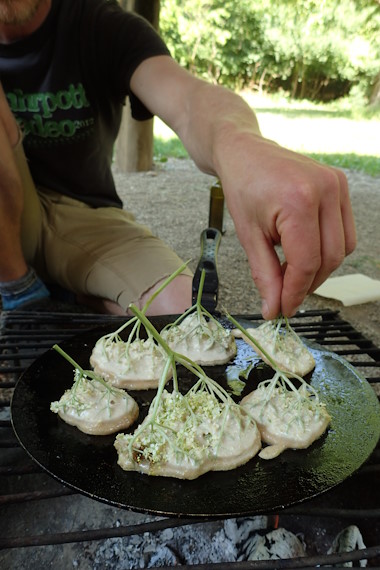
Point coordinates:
[(173, 200)]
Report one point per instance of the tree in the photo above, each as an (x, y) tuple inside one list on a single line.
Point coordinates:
[(311, 48)]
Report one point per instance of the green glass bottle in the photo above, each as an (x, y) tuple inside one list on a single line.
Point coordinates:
[(216, 211)]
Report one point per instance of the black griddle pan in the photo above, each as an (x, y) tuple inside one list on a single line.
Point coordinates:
[(88, 464)]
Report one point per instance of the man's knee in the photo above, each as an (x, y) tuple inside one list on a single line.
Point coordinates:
[(173, 300)]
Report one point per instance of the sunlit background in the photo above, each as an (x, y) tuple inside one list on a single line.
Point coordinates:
[(309, 69)]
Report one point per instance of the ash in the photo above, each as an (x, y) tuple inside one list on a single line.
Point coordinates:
[(192, 544), (231, 540)]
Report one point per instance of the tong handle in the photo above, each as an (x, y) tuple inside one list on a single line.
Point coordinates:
[(216, 207), (210, 241)]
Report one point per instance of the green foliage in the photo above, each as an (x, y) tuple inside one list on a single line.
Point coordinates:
[(317, 49), (325, 48), (361, 163), (208, 38), (168, 147)]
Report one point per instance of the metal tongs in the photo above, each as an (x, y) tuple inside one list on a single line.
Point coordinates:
[(210, 241)]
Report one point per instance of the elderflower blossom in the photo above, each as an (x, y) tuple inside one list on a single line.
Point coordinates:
[(189, 425)]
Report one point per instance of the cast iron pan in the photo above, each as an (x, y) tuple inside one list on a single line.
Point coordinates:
[(88, 464)]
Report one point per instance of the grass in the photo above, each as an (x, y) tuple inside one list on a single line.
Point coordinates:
[(338, 134), (166, 143)]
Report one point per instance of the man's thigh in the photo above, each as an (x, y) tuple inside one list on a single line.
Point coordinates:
[(102, 252)]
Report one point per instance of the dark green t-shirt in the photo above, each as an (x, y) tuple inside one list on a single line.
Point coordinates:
[(67, 83)]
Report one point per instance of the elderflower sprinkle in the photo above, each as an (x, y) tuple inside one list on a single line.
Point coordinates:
[(89, 395), (195, 329), (186, 427)]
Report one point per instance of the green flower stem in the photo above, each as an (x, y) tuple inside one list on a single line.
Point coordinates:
[(165, 284), (157, 401), (254, 341), (199, 309), (161, 387), (68, 358), (193, 367), (158, 338), (82, 372), (278, 328), (200, 288), (150, 328), (279, 373), (136, 328), (123, 326)]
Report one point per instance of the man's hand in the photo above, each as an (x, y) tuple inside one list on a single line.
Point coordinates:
[(275, 196)]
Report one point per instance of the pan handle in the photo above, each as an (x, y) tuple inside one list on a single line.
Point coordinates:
[(210, 241)]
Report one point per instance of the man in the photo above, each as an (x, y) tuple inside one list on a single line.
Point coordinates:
[(66, 67)]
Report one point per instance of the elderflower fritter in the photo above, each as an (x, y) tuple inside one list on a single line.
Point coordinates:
[(89, 395), (189, 435), (136, 364), (279, 345), (287, 417), (201, 338), (92, 405), (180, 425)]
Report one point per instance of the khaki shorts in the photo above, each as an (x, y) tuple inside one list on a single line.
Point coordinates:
[(102, 252)]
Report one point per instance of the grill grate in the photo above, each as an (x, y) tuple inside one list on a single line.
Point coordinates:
[(26, 335)]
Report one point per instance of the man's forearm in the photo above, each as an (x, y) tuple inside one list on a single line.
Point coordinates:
[(205, 117), (218, 122)]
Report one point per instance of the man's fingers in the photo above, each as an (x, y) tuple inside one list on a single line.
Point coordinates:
[(338, 234), (303, 260), (333, 243), (298, 228), (347, 215), (266, 272), (317, 244)]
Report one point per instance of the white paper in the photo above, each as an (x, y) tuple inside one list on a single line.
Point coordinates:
[(350, 289)]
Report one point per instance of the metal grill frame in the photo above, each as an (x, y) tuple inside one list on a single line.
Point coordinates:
[(26, 335)]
